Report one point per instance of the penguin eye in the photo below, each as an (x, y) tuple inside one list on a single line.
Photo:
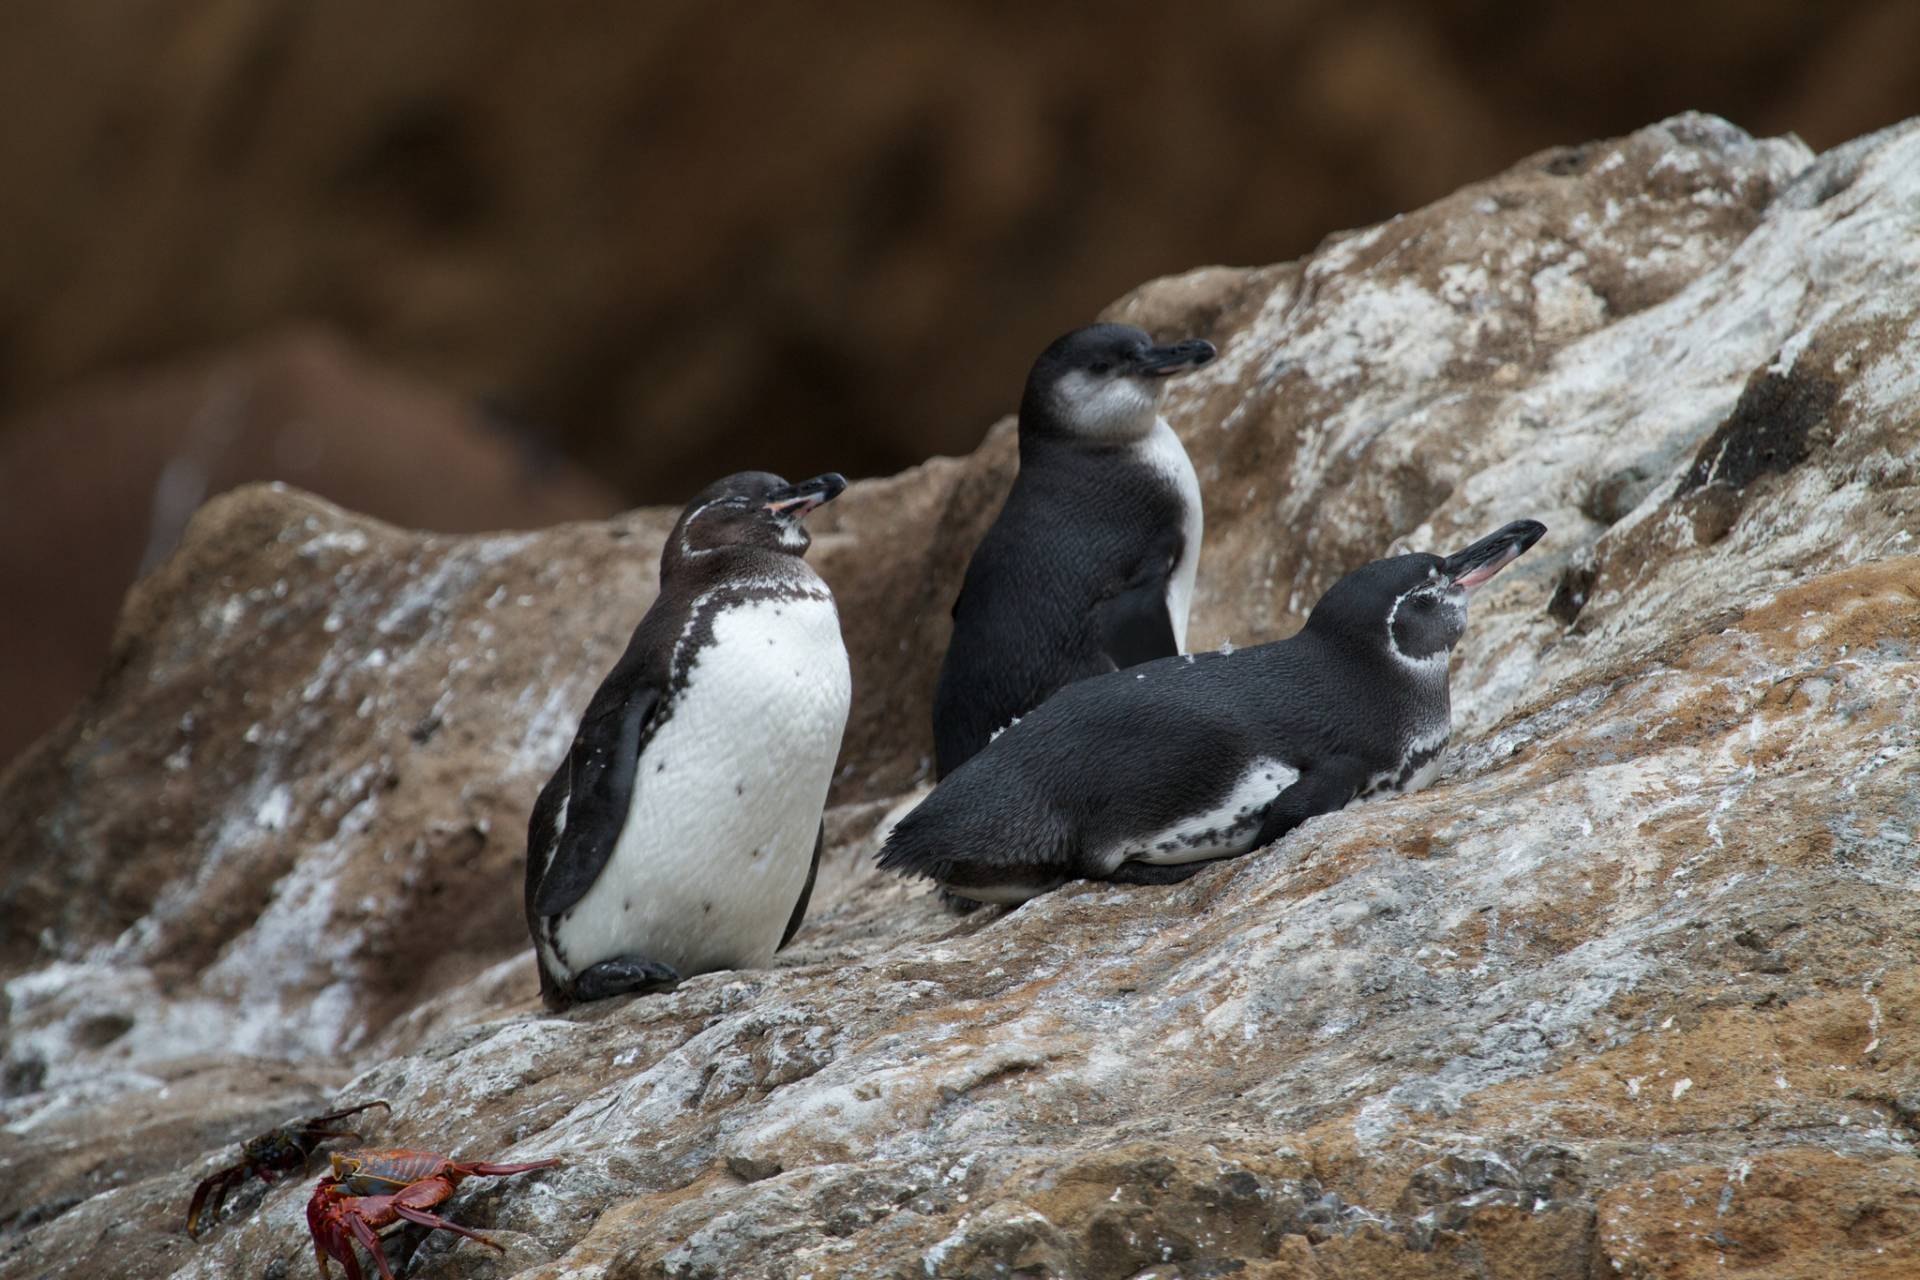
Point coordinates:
[(1099, 366)]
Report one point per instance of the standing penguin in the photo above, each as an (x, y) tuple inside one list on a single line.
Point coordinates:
[(683, 830), (1143, 776), (1089, 566)]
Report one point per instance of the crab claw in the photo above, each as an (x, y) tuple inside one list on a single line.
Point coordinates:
[(214, 1185)]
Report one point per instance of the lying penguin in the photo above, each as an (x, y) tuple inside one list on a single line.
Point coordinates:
[(1090, 564), (1143, 776), (683, 830)]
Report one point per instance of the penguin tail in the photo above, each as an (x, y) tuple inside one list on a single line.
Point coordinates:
[(934, 846), (914, 851), (928, 845)]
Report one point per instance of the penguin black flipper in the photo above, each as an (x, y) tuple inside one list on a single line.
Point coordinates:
[(542, 831), (1329, 785), (806, 890), (1135, 625), (1326, 788), (601, 770)]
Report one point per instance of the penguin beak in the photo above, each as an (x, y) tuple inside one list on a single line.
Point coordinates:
[(797, 500), (1474, 565), (1160, 362)]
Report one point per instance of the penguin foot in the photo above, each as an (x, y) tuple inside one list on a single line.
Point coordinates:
[(954, 904), (1157, 872), (624, 976)]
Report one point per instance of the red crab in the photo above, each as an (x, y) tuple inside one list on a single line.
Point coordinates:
[(368, 1190), (282, 1150)]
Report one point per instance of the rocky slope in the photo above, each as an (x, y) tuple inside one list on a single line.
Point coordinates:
[(1634, 989)]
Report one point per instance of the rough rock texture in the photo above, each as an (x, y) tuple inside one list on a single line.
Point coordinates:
[(1633, 989)]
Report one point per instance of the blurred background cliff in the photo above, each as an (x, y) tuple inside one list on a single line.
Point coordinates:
[(468, 264)]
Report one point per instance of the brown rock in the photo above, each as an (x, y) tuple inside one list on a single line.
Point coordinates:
[(1650, 934), (97, 486), (1787, 1215)]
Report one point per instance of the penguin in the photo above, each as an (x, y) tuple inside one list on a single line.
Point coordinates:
[(682, 832), (1146, 775), (1089, 565)]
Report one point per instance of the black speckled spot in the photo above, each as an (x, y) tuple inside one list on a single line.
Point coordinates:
[(1772, 429), (1570, 595), (1567, 161), (1413, 764)]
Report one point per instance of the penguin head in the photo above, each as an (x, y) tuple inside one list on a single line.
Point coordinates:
[(752, 509), (1102, 383), (1415, 606)]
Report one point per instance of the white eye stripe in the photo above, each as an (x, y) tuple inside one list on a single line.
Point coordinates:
[(1431, 664), (687, 548), (732, 503)]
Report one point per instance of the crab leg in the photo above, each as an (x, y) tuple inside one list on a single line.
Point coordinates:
[(321, 1253), (416, 1202), (369, 1238), (427, 1219), (331, 1116), (317, 1135), (217, 1186), (484, 1169)]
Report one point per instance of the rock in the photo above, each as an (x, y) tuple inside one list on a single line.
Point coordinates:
[(1771, 1215), (97, 485), (1651, 936)]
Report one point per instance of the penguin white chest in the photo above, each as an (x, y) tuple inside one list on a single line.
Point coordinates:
[(727, 796), (1162, 451)]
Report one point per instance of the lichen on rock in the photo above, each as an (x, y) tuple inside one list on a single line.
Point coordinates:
[(1634, 988)]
